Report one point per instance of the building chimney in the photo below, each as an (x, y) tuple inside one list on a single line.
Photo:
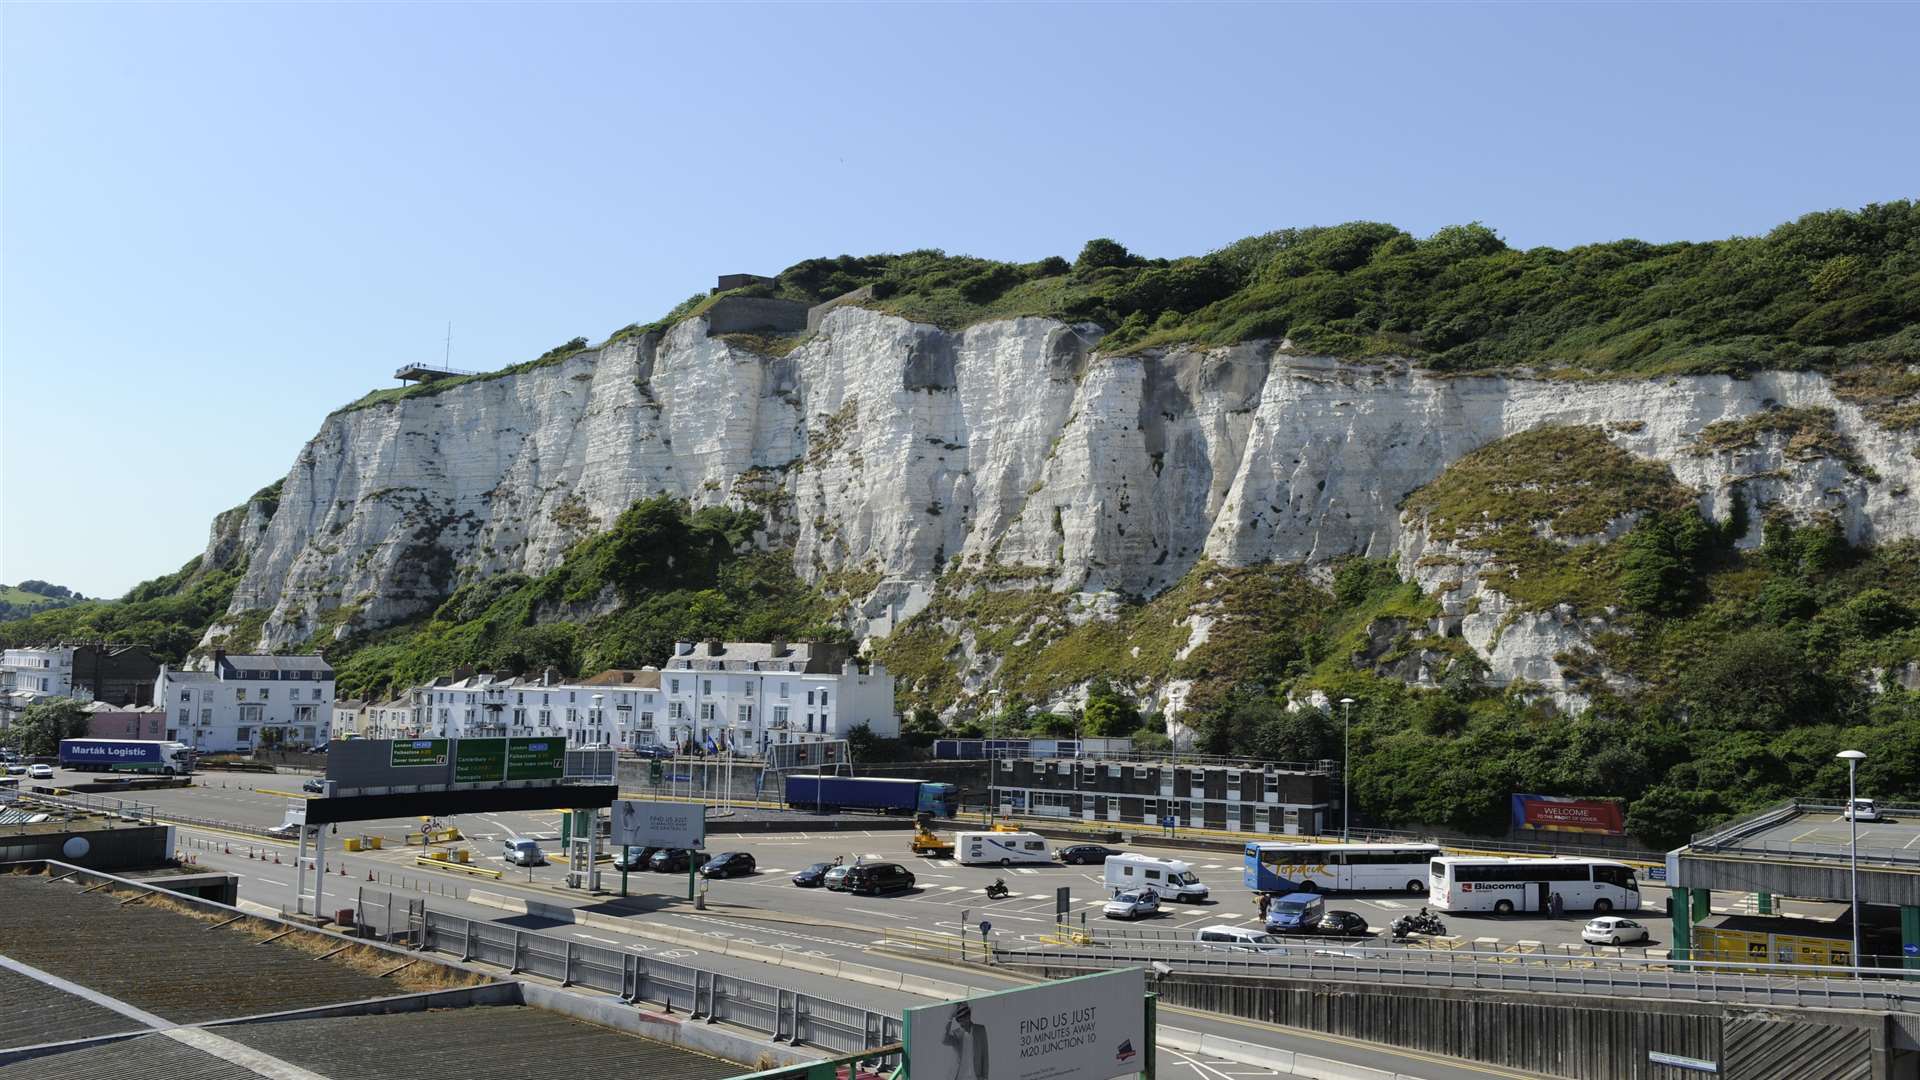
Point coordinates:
[(682, 648), (219, 656), (714, 648), (548, 677), (779, 647)]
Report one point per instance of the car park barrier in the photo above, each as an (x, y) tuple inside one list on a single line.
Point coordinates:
[(781, 1014), (439, 861)]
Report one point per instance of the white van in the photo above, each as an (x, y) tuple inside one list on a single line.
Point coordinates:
[(1170, 878), (1000, 848), (1237, 939)]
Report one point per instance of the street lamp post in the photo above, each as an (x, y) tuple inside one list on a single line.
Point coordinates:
[(1346, 774), (1853, 758)]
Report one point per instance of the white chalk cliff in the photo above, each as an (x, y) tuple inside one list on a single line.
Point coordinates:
[(887, 446)]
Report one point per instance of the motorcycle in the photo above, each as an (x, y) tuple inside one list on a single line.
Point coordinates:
[(998, 890), (1424, 922)]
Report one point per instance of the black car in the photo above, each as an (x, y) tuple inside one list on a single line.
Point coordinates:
[(729, 864), (675, 860), (654, 752), (872, 879), (1091, 854), (638, 860), (1343, 924), (813, 876), (315, 785)]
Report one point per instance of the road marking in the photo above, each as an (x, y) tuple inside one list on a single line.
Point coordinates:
[(1023, 870), (590, 937), (882, 914), (1394, 905), (954, 888)]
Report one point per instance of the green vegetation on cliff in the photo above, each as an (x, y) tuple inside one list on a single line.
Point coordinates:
[(1832, 290), (661, 573)]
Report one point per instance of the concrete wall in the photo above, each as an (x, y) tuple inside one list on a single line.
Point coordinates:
[(747, 314), (1561, 1035), (128, 848)]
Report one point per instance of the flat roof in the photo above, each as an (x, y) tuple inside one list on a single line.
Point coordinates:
[(102, 978), (1818, 831), (1801, 849)]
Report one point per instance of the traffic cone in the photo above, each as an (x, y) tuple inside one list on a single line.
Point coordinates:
[(369, 875), (276, 858), (227, 850)]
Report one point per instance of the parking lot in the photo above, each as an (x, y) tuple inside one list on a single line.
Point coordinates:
[(948, 898)]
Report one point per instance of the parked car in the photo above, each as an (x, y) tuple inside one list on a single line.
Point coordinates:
[(835, 879), (1343, 924), (1613, 930), (1084, 854), (1296, 913), (1137, 904), (872, 879), (729, 864), (633, 859), (1861, 810), (286, 830), (812, 877), (523, 852), (1236, 939), (39, 772), (653, 751), (675, 860), (14, 768), (315, 785)]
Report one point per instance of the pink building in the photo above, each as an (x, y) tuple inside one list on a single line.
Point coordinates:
[(126, 722)]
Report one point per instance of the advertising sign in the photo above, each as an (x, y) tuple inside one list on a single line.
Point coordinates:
[(479, 761), (1557, 813), (639, 823), (536, 759), (417, 753), (1090, 1028), (104, 752)]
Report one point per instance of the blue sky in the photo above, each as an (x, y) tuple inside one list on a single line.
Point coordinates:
[(218, 222)]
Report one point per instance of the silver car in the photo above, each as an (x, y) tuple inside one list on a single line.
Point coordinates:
[(523, 853)]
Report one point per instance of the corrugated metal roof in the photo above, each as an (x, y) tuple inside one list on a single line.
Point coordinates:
[(501, 1042), (32, 1013), (162, 961), (149, 1057)]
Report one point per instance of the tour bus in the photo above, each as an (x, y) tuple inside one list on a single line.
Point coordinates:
[(1000, 848), (1464, 883), (1278, 869)]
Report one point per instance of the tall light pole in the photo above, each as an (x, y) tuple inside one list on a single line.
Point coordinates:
[(1346, 774), (1853, 758)]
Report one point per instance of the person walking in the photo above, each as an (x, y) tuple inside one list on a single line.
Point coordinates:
[(1556, 906)]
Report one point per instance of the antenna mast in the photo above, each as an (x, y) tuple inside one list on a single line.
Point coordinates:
[(447, 361)]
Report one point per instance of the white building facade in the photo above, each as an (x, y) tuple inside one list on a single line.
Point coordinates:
[(743, 696), (246, 702), (48, 672)]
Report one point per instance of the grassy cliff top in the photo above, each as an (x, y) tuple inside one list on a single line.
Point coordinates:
[(1830, 290)]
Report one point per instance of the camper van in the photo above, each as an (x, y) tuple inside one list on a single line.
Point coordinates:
[(1170, 878), (1000, 848)]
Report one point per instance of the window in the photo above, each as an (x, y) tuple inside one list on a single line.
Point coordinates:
[(186, 715), (206, 716), (673, 686), (1153, 875), (676, 710), (186, 696), (546, 717), (706, 712), (746, 714), (239, 693), (266, 692), (823, 701), (783, 691), (779, 716), (706, 686), (809, 697), (244, 734)]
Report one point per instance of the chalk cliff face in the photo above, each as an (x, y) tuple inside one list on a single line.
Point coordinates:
[(887, 447)]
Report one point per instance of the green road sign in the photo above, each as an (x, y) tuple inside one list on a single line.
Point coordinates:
[(536, 759), (479, 761), (654, 771), (413, 753)]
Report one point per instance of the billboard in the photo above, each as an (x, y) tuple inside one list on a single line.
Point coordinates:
[(1558, 813), (417, 754), (639, 823), (108, 752), (1090, 1028)]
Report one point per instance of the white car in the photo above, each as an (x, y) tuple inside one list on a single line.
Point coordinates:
[(14, 768), (1613, 930), (1861, 810), (1137, 904), (39, 772)]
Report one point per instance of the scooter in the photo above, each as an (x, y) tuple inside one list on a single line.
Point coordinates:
[(998, 890)]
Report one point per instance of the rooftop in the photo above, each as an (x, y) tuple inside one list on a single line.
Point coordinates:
[(101, 978), (644, 678)]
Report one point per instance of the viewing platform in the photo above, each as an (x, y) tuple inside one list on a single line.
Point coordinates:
[(425, 373)]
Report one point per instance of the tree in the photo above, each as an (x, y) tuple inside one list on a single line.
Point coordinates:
[(861, 741), (44, 723), (1102, 252), (1109, 713)]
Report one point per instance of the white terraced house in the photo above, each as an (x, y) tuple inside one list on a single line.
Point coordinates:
[(243, 702), (746, 696)]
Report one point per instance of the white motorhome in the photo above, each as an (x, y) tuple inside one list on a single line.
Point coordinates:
[(1000, 848), (1170, 878)]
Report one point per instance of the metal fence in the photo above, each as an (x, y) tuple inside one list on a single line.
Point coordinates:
[(783, 1015), (1620, 976)]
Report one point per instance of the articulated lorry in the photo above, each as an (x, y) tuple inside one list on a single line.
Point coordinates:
[(879, 794), (126, 755)]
